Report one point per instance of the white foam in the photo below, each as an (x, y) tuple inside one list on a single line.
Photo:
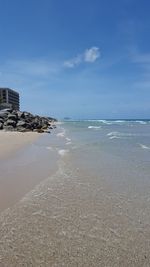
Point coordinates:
[(63, 152), (94, 127), (49, 147), (144, 146), (61, 134), (68, 143), (120, 121), (121, 135), (68, 139), (114, 137), (105, 122), (142, 122), (113, 133)]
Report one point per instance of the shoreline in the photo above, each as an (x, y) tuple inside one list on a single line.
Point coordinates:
[(88, 206)]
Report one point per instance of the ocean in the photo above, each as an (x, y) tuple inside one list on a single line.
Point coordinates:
[(95, 209), (118, 149)]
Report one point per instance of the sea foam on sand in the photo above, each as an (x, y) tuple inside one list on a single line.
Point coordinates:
[(63, 152)]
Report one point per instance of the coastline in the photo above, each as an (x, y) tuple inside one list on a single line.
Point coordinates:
[(89, 209)]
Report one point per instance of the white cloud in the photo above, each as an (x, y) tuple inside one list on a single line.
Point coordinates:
[(142, 60), (73, 62), (89, 56)]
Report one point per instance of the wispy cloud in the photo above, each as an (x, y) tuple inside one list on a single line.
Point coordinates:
[(89, 56), (71, 63), (21, 71), (34, 67), (142, 60)]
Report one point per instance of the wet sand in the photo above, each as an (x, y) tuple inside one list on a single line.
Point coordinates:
[(82, 215), (74, 220)]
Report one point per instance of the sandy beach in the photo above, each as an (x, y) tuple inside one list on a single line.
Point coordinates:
[(68, 201), (10, 142), (24, 162)]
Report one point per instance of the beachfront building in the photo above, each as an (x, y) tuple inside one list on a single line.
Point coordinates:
[(9, 98)]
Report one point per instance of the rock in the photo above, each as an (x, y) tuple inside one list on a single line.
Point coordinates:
[(8, 128), (22, 129), (39, 126), (13, 120), (9, 110), (4, 115), (47, 131), (10, 122), (44, 127), (38, 130), (12, 117), (1, 125), (20, 114), (21, 123), (15, 112), (29, 126)]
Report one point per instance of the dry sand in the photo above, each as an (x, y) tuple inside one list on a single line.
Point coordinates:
[(10, 142), (25, 161)]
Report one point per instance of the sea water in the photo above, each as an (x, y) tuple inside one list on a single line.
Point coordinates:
[(95, 210)]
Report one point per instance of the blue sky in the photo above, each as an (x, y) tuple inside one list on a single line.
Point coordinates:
[(82, 59)]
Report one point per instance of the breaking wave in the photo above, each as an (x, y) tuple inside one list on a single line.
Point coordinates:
[(144, 146), (94, 127)]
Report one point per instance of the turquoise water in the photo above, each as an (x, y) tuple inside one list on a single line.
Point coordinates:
[(127, 139), (127, 143)]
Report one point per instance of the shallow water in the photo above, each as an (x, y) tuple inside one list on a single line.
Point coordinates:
[(94, 211)]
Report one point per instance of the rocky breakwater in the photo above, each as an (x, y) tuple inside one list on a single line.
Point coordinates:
[(12, 120)]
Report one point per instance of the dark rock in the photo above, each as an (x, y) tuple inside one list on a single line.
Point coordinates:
[(38, 130), (9, 110), (44, 127), (22, 129), (3, 115), (13, 120), (21, 123), (15, 112), (29, 126), (1, 125), (47, 131), (10, 122), (12, 117), (20, 114), (8, 128), (39, 126), (36, 120)]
